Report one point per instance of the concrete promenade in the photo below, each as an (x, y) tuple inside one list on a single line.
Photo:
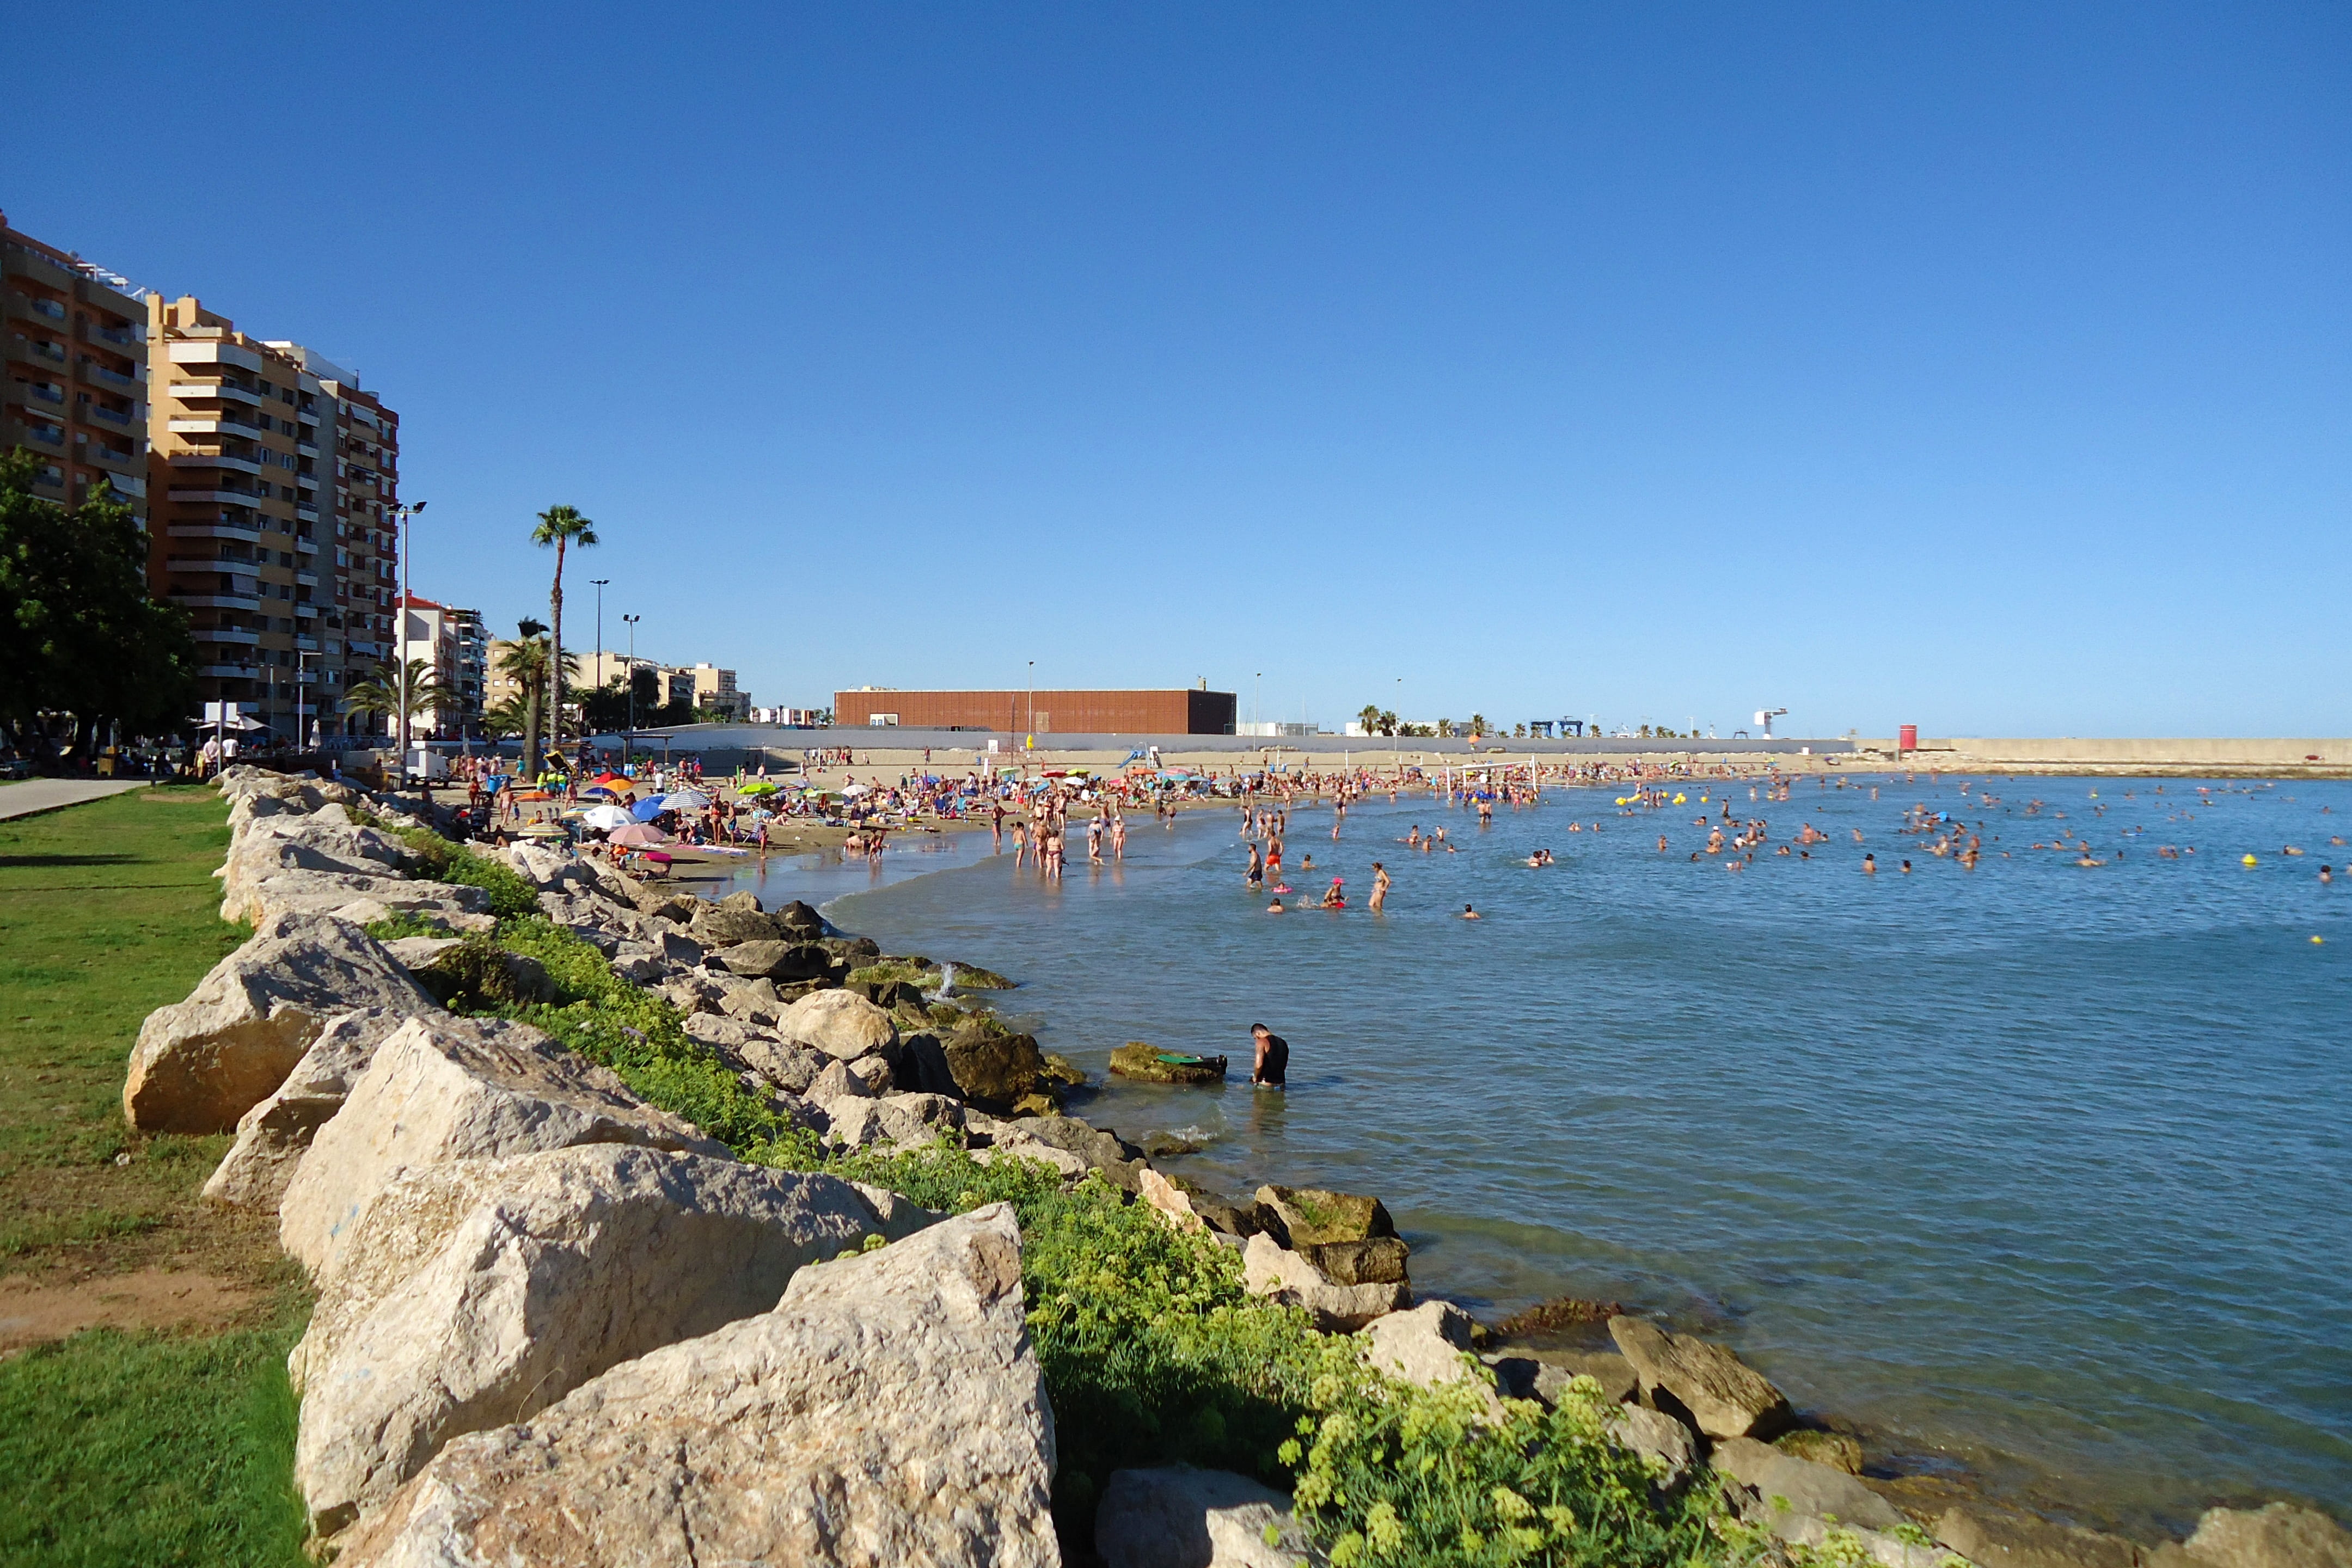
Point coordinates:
[(35, 796)]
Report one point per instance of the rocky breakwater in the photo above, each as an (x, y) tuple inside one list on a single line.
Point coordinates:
[(564, 1157)]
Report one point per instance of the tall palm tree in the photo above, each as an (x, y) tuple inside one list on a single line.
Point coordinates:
[(560, 526)]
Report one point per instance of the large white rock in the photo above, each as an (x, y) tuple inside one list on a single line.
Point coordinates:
[(899, 1121), (272, 847), (841, 1024), (459, 1089), (1271, 1269), (201, 1063), (1656, 1437), (889, 1411), (1724, 1395), (1797, 1499), (1427, 1345), (2277, 1535), (299, 892), (273, 1135), (1179, 1517), (476, 1292)]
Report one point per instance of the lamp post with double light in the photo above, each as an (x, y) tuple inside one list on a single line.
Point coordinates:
[(629, 741)]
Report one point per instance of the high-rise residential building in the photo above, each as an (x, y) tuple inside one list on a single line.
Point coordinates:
[(272, 474), (454, 646), (76, 388)]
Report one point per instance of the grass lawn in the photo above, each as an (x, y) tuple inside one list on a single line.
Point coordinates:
[(144, 1445)]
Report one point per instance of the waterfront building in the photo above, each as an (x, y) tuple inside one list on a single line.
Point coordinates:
[(1184, 711), (454, 644), (72, 335), (273, 474), (715, 691)]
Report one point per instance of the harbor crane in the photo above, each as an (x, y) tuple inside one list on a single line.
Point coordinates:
[(1764, 716)]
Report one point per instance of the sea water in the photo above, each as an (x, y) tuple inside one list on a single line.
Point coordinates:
[(2039, 1171)]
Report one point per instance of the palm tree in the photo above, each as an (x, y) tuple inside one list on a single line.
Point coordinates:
[(380, 694), (529, 661), (560, 526)]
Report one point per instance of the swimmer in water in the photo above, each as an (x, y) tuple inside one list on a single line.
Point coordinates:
[(1274, 908), (1470, 914), (2327, 873), (1870, 865)]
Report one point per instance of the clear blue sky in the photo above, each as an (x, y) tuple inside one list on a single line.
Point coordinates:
[(1986, 368)]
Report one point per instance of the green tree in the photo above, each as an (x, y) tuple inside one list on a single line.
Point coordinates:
[(79, 635), (1370, 718), (379, 695), (527, 662), (562, 526)]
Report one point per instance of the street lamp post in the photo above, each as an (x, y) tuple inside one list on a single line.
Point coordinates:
[(403, 511), (300, 655), (600, 670), (1033, 697), (629, 741)]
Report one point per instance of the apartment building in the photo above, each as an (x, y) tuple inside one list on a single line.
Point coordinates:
[(454, 644), (71, 337), (715, 690), (699, 686), (273, 474)]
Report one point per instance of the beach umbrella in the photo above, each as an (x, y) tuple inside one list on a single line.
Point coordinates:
[(686, 800), (593, 792), (607, 816), (852, 789), (759, 787), (646, 810), (639, 834), (545, 830), (611, 778)]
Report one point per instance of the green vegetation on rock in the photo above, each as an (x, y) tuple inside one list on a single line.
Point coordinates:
[(434, 856)]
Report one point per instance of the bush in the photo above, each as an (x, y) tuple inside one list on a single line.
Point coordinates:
[(433, 856)]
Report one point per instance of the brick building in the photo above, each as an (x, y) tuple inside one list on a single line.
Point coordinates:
[(1183, 712)]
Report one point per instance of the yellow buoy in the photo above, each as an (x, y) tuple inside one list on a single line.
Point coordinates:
[(1678, 800), (2319, 938), (2249, 860)]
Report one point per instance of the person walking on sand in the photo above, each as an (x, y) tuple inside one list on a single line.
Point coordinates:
[(1270, 1060), (1380, 887)]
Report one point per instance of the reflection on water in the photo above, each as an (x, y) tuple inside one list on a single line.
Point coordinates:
[(2042, 1165)]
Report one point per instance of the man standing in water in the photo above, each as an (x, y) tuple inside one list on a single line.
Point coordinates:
[(1273, 1058)]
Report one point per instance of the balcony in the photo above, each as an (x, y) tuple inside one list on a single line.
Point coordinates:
[(217, 601), (306, 580), (43, 433), (236, 531), (241, 498), (306, 642), (47, 310), (213, 392), (228, 635), (305, 610), (130, 485), (216, 460), (40, 349), (306, 511), (304, 545), (208, 564), (225, 671), (46, 392), (214, 425), (124, 339), (100, 410), (93, 370)]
